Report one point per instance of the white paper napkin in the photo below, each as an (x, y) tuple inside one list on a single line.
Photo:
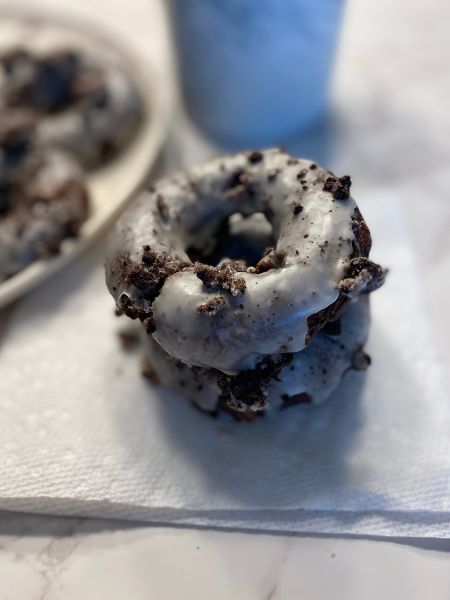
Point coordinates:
[(82, 433)]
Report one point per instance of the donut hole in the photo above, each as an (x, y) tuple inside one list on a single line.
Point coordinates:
[(238, 237)]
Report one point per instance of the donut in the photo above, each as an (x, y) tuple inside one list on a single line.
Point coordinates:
[(43, 197), (86, 105), (307, 377), (226, 314)]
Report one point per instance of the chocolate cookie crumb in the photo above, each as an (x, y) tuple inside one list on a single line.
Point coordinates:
[(149, 276), (362, 277), (248, 389), (220, 277), (273, 259), (212, 306), (296, 208), (318, 320), (363, 240), (339, 187)]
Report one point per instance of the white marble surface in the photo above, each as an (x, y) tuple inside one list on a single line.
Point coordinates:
[(71, 559), (393, 61)]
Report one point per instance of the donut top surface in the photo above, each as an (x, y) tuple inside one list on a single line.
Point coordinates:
[(230, 315)]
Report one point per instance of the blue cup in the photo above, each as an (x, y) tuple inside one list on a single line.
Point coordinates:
[(255, 72)]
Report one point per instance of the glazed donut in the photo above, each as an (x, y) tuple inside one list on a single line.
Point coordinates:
[(88, 106), (231, 315), (43, 198), (307, 377)]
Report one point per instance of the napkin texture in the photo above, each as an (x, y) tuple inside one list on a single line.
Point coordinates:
[(82, 433)]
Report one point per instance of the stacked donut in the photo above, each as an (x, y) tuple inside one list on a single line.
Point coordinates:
[(233, 324)]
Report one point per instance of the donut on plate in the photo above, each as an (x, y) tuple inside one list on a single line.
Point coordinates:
[(43, 197), (216, 310), (87, 105)]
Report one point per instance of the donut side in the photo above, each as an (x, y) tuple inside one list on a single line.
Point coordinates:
[(278, 382)]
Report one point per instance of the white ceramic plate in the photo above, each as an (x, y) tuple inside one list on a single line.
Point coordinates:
[(111, 187)]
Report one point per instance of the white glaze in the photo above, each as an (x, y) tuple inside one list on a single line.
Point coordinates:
[(277, 303)]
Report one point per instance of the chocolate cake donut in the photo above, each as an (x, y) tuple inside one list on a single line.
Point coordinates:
[(43, 197), (87, 105), (236, 316)]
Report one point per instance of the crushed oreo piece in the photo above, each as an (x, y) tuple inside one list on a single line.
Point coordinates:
[(220, 278), (273, 259), (126, 305), (149, 276), (296, 208), (363, 240), (248, 389), (212, 306), (362, 276), (318, 320), (339, 187)]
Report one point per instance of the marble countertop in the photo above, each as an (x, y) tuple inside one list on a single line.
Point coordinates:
[(44, 558), (404, 104)]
